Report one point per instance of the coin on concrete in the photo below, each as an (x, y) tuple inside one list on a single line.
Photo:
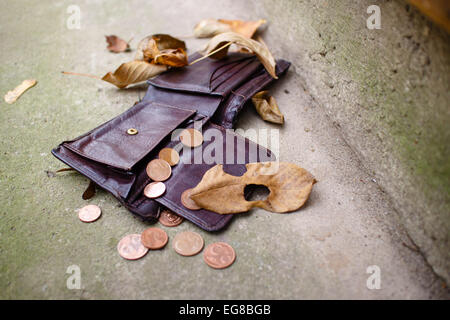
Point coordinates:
[(188, 243), (159, 170), (154, 190), (219, 255), (169, 218), (131, 247), (191, 137), (169, 155), (154, 238), (187, 201), (89, 213)]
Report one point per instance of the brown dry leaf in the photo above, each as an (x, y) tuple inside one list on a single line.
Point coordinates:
[(13, 95), (267, 107), (246, 28), (261, 51), (172, 57), (116, 44), (209, 28), (89, 192), (151, 46), (223, 193), (133, 72)]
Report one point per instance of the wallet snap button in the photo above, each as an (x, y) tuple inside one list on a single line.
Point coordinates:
[(132, 131)]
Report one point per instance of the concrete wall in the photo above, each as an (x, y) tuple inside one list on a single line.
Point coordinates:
[(388, 91)]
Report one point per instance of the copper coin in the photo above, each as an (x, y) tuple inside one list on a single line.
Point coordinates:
[(89, 213), (188, 243), (169, 155), (154, 190), (131, 247), (219, 255), (191, 137), (154, 238), (169, 219), (187, 201), (159, 170)]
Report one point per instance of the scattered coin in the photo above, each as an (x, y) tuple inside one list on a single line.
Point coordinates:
[(169, 155), (188, 243), (169, 218), (187, 201), (191, 137), (131, 247), (219, 255), (89, 213), (159, 170), (154, 238), (154, 190)]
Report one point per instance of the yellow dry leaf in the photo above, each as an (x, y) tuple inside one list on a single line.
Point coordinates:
[(150, 46), (133, 72), (209, 28), (14, 94), (172, 57), (259, 49), (290, 187), (267, 107), (246, 28)]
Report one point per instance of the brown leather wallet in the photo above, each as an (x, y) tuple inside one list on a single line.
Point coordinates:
[(208, 95)]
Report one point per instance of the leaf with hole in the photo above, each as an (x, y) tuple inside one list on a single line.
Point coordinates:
[(289, 186)]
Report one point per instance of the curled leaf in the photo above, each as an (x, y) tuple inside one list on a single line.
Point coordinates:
[(172, 57), (267, 107), (261, 51), (246, 28), (133, 72), (12, 95), (151, 46), (290, 187), (116, 44)]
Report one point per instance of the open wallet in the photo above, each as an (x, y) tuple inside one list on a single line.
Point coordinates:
[(207, 96)]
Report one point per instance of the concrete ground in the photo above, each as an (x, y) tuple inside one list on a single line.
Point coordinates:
[(320, 251)]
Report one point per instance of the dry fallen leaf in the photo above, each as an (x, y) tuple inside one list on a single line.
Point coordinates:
[(221, 40), (223, 193), (151, 46), (89, 192), (133, 72), (116, 44), (209, 28), (13, 95), (172, 57), (246, 28), (267, 107), (212, 27)]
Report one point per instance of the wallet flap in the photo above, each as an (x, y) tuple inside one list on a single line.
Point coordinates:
[(113, 144), (209, 76)]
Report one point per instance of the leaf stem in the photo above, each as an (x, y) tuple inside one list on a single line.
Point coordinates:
[(81, 74)]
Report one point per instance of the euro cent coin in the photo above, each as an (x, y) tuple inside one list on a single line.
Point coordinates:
[(89, 213), (187, 201), (219, 255), (169, 155), (154, 190), (131, 247), (159, 170), (191, 137), (169, 218), (154, 238), (188, 243)]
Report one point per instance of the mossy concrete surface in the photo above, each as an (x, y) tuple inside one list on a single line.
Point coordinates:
[(388, 92), (320, 251)]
